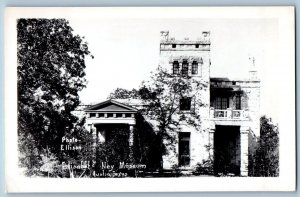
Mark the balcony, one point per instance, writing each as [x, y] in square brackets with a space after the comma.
[228, 114]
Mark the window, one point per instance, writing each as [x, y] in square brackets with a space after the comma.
[185, 103]
[184, 148]
[197, 45]
[119, 115]
[238, 102]
[173, 46]
[185, 67]
[175, 67]
[221, 103]
[195, 68]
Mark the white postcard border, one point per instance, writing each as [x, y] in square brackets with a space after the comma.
[286, 180]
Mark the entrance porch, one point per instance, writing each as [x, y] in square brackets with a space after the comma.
[229, 149]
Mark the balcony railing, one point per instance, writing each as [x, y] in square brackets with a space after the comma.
[228, 114]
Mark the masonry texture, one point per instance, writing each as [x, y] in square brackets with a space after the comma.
[228, 112]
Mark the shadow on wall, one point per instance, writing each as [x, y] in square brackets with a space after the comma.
[147, 147]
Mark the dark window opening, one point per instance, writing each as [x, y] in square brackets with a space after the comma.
[184, 148]
[221, 103]
[173, 46]
[110, 115]
[197, 45]
[118, 115]
[195, 68]
[127, 115]
[92, 115]
[233, 83]
[185, 67]
[175, 67]
[185, 103]
[101, 115]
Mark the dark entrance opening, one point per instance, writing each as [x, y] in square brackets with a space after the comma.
[184, 148]
[112, 131]
[227, 150]
[115, 149]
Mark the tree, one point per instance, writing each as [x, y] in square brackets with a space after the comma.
[265, 161]
[121, 93]
[162, 96]
[165, 94]
[50, 71]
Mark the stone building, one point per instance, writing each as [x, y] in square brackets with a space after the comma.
[229, 112]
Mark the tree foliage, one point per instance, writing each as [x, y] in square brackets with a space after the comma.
[50, 71]
[121, 93]
[265, 161]
[86, 155]
[161, 95]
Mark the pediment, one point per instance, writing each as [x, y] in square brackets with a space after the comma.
[111, 106]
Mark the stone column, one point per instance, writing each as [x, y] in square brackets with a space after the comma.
[94, 133]
[244, 150]
[229, 113]
[211, 143]
[212, 112]
[130, 141]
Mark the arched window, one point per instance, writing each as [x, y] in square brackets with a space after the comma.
[176, 67]
[194, 68]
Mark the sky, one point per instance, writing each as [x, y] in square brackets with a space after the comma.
[127, 50]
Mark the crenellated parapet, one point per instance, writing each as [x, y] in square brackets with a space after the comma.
[171, 44]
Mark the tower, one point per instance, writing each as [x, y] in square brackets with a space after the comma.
[189, 57]
[192, 56]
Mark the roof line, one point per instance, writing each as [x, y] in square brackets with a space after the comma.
[111, 101]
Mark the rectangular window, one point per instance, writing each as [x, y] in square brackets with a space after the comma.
[110, 115]
[119, 115]
[195, 68]
[185, 67]
[185, 103]
[197, 45]
[176, 67]
[173, 46]
[221, 103]
[184, 148]
[238, 102]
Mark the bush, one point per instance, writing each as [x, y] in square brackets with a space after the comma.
[204, 168]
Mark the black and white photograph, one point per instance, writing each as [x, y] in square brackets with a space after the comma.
[202, 97]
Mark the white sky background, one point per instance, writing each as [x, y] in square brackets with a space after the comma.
[127, 50]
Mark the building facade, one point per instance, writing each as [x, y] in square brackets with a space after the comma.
[229, 112]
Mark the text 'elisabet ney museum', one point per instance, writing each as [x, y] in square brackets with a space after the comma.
[227, 111]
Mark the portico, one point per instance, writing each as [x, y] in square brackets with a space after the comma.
[102, 118]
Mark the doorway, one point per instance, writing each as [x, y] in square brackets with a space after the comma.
[227, 150]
